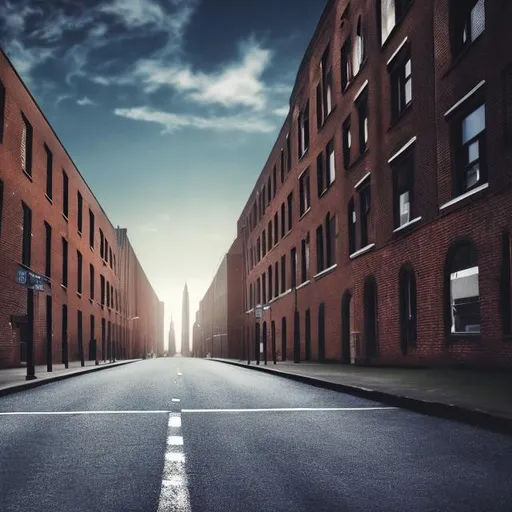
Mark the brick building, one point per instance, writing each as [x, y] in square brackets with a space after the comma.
[379, 230]
[52, 224]
[218, 329]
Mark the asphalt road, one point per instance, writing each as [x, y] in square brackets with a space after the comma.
[184, 434]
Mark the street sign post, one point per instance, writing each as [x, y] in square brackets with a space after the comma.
[258, 311]
[32, 282]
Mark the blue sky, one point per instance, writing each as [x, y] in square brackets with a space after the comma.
[169, 109]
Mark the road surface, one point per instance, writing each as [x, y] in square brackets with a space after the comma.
[180, 434]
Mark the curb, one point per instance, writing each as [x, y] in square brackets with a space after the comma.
[474, 417]
[36, 383]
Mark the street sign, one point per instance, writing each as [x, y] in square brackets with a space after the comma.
[29, 279]
[258, 311]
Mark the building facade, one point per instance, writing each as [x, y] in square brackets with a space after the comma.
[97, 299]
[171, 351]
[379, 230]
[185, 323]
[219, 325]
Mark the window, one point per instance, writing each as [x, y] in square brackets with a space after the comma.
[391, 12]
[269, 191]
[283, 220]
[359, 48]
[400, 74]
[65, 194]
[463, 289]
[319, 249]
[320, 179]
[365, 203]
[290, 210]
[49, 172]
[102, 244]
[251, 296]
[305, 259]
[282, 166]
[324, 89]
[79, 272]
[362, 111]
[330, 240]
[346, 64]
[108, 295]
[258, 291]
[26, 247]
[283, 273]
[64, 262]
[506, 80]
[467, 22]
[277, 278]
[105, 255]
[270, 283]
[470, 151]
[258, 249]
[274, 182]
[1, 203]
[293, 265]
[303, 127]
[264, 287]
[351, 227]
[26, 146]
[263, 243]
[305, 197]
[2, 111]
[48, 251]
[91, 229]
[347, 143]
[289, 148]
[407, 294]
[506, 283]
[276, 229]
[91, 281]
[269, 235]
[102, 290]
[330, 163]
[80, 202]
[403, 190]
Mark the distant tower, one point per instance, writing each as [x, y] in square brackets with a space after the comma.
[185, 324]
[172, 340]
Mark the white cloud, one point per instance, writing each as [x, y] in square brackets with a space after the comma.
[239, 83]
[85, 101]
[135, 13]
[172, 122]
[25, 59]
[281, 111]
[61, 98]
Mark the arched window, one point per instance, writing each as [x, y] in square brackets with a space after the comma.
[408, 309]
[359, 49]
[462, 290]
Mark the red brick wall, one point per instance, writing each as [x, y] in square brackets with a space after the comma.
[19, 187]
[438, 83]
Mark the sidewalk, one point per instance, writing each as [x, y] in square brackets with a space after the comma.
[475, 397]
[13, 379]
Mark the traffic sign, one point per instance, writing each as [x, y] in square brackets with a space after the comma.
[258, 311]
[29, 279]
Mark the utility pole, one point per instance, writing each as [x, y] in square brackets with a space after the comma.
[31, 371]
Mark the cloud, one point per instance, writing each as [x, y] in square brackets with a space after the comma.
[238, 83]
[85, 101]
[148, 229]
[26, 59]
[281, 111]
[61, 98]
[172, 122]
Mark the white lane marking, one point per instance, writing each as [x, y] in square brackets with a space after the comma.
[68, 413]
[175, 421]
[174, 495]
[293, 409]
[175, 400]
[179, 373]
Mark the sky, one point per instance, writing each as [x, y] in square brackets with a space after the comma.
[169, 109]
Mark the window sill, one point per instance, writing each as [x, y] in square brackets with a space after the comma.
[79, 295]
[325, 272]
[301, 157]
[79, 234]
[305, 212]
[326, 189]
[456, 60]
[397, 118]
[64, 287]
[345, 89]
[406, 225]
[326, 120]
[250, 311]
[362, 180]
[302, 285]
[91, 248]
[91, 301]
[362, 251]
[48, 198]
[284, 294]
[65, 217]
[29, 176]
[460, 198]
[464, 336]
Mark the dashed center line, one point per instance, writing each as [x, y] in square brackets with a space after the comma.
[175, 400]
[174, 495]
